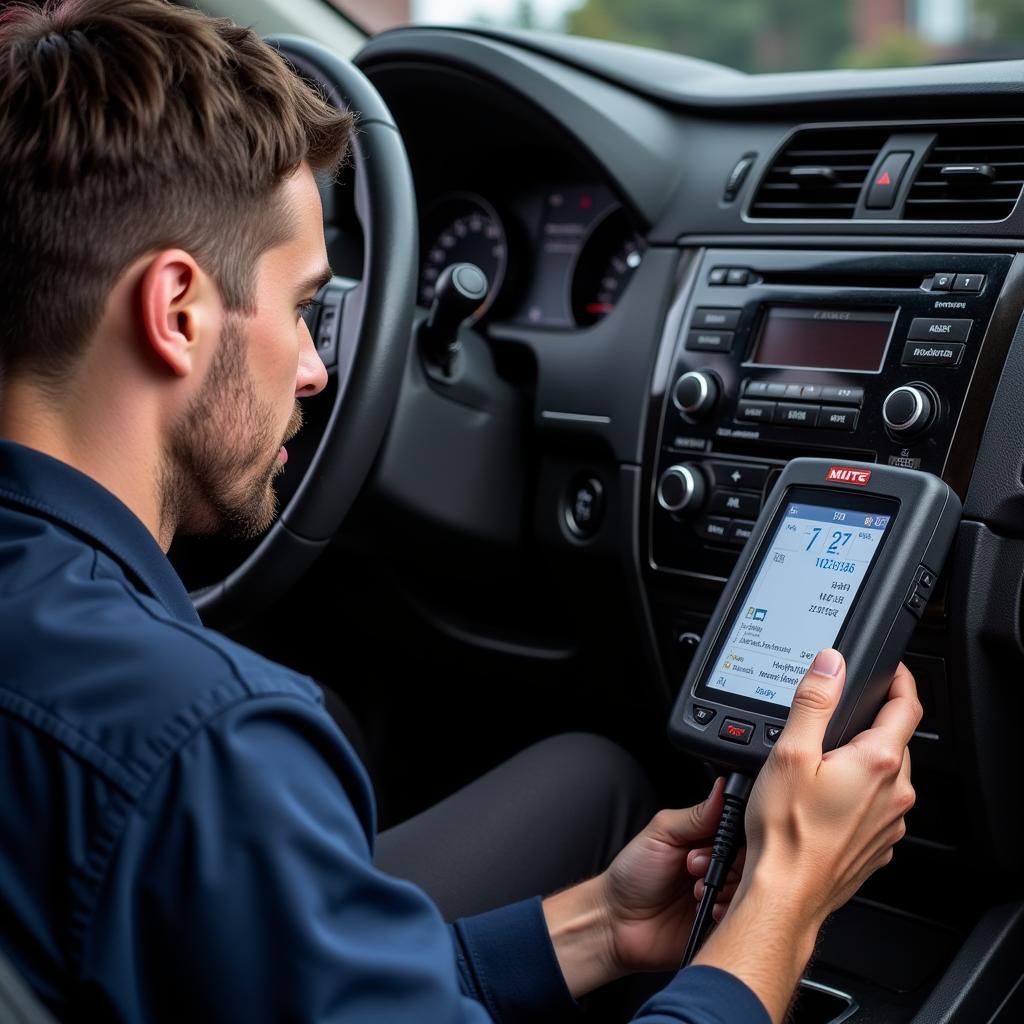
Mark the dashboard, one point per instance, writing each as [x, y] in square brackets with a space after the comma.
[695, 276]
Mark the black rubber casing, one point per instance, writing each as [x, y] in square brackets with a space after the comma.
[877, 627]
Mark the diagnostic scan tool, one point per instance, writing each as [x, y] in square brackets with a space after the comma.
[844, 555]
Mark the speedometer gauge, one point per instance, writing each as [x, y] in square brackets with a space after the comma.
[463, 227]
[606, 264]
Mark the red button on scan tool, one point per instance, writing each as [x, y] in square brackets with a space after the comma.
[736, 732]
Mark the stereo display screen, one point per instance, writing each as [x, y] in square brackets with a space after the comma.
[824, 339]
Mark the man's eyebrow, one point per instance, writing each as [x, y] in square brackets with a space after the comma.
[315, 282]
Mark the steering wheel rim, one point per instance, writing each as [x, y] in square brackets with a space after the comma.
[373, 341]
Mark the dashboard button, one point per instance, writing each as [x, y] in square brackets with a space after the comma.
[717, 275]
[923, 353]
[755, 387]
[709, 341]
[739, 532]
[747, 506]
[737, 275]
[713, 528]
[749, 411]
[793, 415]
[719, 319]
[924, 328]
[739, 476]
[736, 731]
[943, 282]
[584, 507]
[886, 183]
[776, 390]
[969, 282]
[836, 417]
[843, 395]
[772, 732]
[703, 715]
[808, 392]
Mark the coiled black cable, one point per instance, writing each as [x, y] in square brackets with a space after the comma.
[727, 841]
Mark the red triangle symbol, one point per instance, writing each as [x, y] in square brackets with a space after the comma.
[884, 179]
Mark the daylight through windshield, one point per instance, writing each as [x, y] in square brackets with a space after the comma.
[751, 35]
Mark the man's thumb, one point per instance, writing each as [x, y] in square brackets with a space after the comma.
[815, 699]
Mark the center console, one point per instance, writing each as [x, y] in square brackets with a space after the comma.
[881, 356]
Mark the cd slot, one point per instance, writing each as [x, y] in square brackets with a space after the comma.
[881, 280]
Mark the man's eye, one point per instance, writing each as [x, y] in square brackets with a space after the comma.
[308, 307]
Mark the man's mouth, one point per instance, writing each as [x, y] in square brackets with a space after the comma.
[294, 426]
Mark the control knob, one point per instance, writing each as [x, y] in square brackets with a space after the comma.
[909, 410]
[681, 488]
[696, 393]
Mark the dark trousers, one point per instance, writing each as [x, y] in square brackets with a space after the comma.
[555, 814]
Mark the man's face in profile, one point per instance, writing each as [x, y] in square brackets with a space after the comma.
[227, 448]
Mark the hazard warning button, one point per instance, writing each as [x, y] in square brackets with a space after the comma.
[885, 183]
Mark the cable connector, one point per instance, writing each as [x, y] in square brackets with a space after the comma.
[728, 840]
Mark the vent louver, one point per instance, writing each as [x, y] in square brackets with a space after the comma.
[819, 175]
[972, 173]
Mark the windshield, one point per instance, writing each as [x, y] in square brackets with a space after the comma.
[751, 35]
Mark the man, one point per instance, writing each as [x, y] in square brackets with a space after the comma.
[184, 833]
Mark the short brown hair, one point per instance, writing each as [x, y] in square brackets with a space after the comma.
[130, 126]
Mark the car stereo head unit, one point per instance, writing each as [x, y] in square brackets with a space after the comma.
[862, 357]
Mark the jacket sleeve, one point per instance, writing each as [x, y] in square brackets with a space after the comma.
[242, 888]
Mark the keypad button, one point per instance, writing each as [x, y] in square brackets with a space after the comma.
[703, 715]
[792, 415]
[739, 476]
[926, 328]
[837, 417]
[750, 411]
[717, 319]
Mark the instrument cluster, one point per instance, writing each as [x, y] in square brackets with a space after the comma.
[555, 257]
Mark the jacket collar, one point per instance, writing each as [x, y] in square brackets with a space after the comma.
[43, 486]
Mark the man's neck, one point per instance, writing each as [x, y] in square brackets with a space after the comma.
[102, 441]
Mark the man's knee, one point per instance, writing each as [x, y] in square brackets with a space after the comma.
[596, 772]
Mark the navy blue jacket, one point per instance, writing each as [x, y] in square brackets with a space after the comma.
[185, 835]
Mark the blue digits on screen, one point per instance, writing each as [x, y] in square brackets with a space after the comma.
[838, 540]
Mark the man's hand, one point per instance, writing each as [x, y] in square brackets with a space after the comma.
[653, 886]
[832, 819]
[636, 915]
[817, 826]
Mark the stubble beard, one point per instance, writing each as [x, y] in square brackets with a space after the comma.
[222, 456]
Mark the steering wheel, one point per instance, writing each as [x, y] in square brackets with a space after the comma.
[367, 346]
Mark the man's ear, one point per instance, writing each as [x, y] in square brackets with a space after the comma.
[177, 312]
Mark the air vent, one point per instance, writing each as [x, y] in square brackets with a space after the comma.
[819, 175]
[972, 173]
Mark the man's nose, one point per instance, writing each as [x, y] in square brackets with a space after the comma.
[311, 378]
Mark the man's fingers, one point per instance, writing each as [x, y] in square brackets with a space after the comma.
[690, 824]
[813, 703]
[899, 717]
[698, 860]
